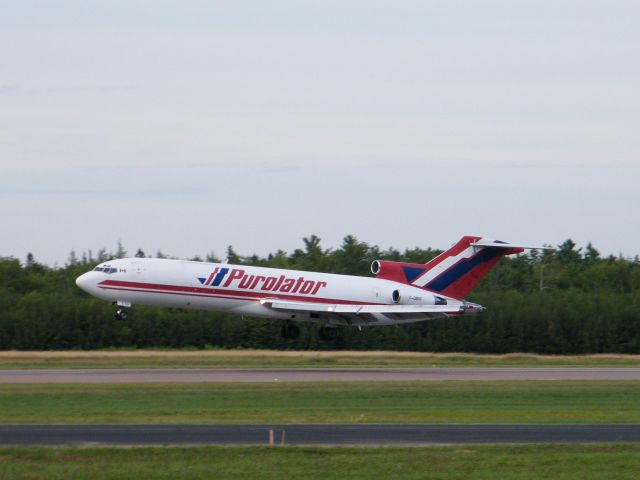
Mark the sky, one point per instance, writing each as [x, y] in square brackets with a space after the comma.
[193, 125]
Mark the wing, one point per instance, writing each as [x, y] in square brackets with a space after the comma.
[364, 314]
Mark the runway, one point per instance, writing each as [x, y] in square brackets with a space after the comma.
[312, 434]
[311, 375]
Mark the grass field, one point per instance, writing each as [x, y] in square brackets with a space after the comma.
[332, 402]
[265, 358]
[557, 462]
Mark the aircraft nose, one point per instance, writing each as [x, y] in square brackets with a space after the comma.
[84, 281]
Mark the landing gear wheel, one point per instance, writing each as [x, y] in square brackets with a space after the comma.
[121, 314]
[290, 331]
[328, 333]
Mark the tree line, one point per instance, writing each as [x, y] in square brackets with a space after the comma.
[568, 301]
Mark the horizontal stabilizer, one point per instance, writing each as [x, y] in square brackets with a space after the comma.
[494, 244]
[455, 272]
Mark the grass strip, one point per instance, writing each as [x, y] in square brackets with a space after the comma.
[548, 402]
[559, 462]
[267, 358]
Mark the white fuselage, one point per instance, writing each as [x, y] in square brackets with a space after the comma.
[240, 289]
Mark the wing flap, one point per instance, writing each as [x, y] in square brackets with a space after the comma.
[362, 309]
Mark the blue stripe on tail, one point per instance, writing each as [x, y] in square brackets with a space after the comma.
[462, 268]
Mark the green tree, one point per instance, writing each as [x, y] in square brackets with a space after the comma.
[121, 252]
[589, 305]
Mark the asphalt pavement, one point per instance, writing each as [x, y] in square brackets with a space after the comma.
[107, 375]
[312, 434]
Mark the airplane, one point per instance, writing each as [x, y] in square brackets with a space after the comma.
[399, 293]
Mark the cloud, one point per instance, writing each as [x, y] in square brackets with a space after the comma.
[8, 88]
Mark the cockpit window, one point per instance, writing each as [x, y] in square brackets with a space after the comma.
[105, 269]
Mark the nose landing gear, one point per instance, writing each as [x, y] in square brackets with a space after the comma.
[121, 313]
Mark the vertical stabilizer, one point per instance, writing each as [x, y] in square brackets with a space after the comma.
[457, 271]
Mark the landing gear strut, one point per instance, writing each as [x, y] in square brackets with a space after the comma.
[290, 331]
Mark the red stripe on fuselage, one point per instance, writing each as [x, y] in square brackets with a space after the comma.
[217, 292]
[138, 290]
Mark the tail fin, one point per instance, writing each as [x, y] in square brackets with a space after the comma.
[453, 273]
[457, 271]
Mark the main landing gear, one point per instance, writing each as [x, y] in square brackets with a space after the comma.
[328, 333]
[290, 331]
